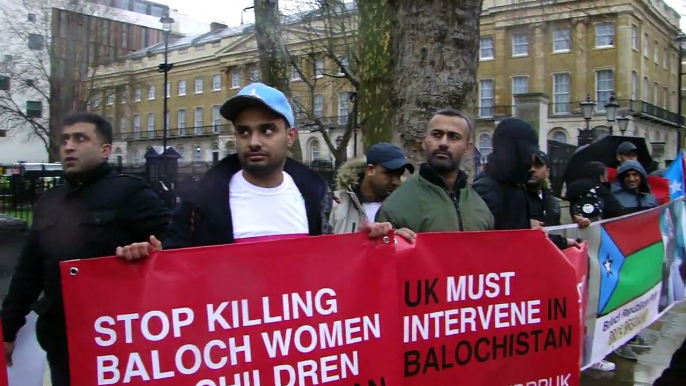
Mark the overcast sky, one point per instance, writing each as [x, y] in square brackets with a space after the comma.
[229, 11]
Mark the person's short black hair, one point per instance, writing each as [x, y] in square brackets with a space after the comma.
[450, 112]
[102, 126]
[594, 170]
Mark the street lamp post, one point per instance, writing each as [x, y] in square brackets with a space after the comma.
[623, 123]
[611, 111]
[164, 68]
[353, 99]
[587, 108]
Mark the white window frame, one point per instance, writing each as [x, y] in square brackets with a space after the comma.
[634, 37]
[151, 123]
[235, 79]
[345, 61]
[646, 89]
[512, 83]
[318, 68]
[110, 97]
[136, 126]
[255, 74]
[523, 42]
[566, 39]
[491, 111]
[151, 92]
[634, 84]
[562, 107]
[343, 111]
[198, 128]
[656, 94]
[606, 34]
[488, 47]
[318, 108]
[199, 85]
[646, 45]
[665, 59]
[600, 102]
[295, 75]
[169, 89]
[656, 52]
[182, 87]
[216, 118]
[216, 82]
[181, 123]
[137, 94]
[665, 97]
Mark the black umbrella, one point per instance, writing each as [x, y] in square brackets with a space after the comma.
[605, 151]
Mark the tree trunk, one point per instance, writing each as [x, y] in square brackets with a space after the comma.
[375, 69]
[274, 63]
[435, 63]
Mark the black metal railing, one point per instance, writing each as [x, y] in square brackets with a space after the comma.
[654, 111]
[142, 134]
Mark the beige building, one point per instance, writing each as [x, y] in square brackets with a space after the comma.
[557, 54]
[570, 49]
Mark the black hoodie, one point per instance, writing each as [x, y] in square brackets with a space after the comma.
[501, 184]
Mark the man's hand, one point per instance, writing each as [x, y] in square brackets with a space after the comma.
[377, 229]
[582, 221]
[137, 251]
[9, 350]
[536, 224]
[573, 243]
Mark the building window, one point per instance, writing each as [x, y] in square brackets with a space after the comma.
[343, 113]
[197, 153]
[665, 98]
[646, 45]
[645, 89]
[486, 50]
[634, 85]
[3, 133]
[137, 94]
[656, 53]
[486, 97]
[485, 145]
[34, 109]
[235, 79]
[216, 118]
[520, 45]
[35, 42]
[318, 105]
[520, 85]
[675, 64]
[255, 75]
[314, 150]
[562, 93]
[125, 95]
[295, 75]
[110, 97]
[634, 37]
[297, 108]
[31, 17]
[136, 156]
[198, 85]
[345, 63]
[216, 82]
[136, 126]
[198, 120]
[656, 94]
[665, 59]
[560, 136]
[604, 87]
[151, 92]
[562, 40]
[182, 87]
[319, 68]
[604, 34]
[151, 124]
[122, 125]
[181, 121]
[168, 89]
[5, 83]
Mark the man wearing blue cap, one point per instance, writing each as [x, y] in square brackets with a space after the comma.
[364, 183]
[258, 193]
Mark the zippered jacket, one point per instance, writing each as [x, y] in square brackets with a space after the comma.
[423, 204]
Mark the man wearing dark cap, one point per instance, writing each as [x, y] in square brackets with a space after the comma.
[258, 193]
[438, 198]
[544, 209]
[626, 151]
[364, 183]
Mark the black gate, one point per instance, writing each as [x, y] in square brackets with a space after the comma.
[560, 154]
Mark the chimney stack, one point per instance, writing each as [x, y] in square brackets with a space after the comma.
[214, 27]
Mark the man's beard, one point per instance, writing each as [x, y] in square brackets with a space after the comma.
[448, 165]
[260, 169]
[534, 184]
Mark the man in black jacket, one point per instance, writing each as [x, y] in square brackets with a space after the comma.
[591, 197]
[544, 209]
[259, 193]
[509, 168]
[88, 217]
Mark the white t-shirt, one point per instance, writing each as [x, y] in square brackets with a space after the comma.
[260, 212]
[370, 208]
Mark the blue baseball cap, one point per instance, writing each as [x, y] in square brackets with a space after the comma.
[258, 95]
[389, 156]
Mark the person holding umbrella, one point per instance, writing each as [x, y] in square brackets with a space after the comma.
[626, 151]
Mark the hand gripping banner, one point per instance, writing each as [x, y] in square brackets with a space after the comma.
[493, 308]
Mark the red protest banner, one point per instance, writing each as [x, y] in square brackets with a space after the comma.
[3, 365]
[658, 186]
[578, 257]
[284, 313]
[489, 309]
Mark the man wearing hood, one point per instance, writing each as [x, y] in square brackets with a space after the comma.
[438, 198]
[631, 188]
[502, 184]
[364, 183]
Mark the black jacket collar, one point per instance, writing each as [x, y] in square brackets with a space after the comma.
[77, 181]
